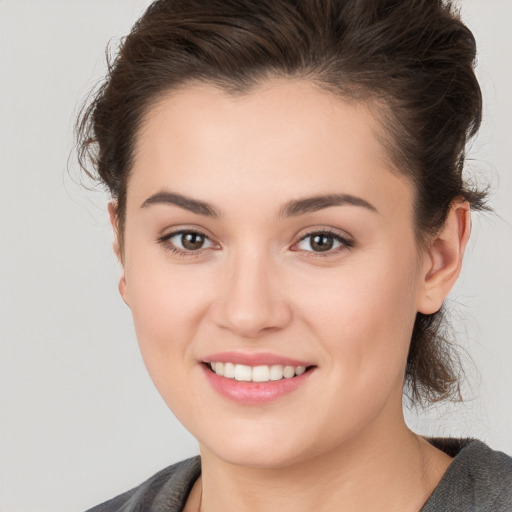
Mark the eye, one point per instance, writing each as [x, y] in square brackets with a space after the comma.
[186, 241]
[322, 242]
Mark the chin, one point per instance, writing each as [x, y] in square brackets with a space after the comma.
[259, 457]
[257, 451]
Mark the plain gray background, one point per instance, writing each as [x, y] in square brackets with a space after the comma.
[80, 420]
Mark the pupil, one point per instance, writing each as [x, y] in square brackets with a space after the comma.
[192, 241]
[322, 242]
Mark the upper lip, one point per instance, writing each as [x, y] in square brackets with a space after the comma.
[254, 359]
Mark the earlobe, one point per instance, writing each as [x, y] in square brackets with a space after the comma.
[123, 289]
[443, 259]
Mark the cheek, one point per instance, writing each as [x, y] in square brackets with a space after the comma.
[167, 303]
[167, 308]
[364, 315]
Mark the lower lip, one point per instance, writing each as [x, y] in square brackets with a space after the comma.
[254, 392]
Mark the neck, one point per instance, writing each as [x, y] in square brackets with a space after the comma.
[373, 472]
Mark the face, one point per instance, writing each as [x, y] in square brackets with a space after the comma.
[268, 236]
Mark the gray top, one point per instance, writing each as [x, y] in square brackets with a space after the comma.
[478, 480]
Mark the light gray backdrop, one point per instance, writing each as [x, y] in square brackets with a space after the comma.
[80, 420]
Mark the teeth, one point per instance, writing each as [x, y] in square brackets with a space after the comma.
[243, 373]
[260, 374]
[276, 372]
[288, 372]
[300, 370]
[263, 373]
[229, 370]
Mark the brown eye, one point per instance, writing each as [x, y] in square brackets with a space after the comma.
[192, 241]
[187, 241]
[323, 241]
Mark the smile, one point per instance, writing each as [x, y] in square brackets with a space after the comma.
[249, 381]
[260, 373]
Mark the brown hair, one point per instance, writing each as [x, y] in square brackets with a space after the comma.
[411, 59]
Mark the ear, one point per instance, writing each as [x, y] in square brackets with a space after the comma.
[112, 212]
[443, 258]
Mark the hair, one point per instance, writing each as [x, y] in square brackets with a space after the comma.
[413, 60]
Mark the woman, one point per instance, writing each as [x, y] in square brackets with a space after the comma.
[290, 214]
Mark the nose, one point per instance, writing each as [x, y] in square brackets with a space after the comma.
[252, 300]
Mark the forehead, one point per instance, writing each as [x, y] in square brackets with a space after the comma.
[285, 138]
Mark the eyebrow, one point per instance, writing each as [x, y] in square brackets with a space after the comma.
[298, 207]
[293, 208]
[193, 205]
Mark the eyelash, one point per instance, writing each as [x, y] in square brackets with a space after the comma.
[345, 243]
[164, 240]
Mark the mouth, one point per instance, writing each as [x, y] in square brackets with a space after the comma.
[256, 383]
[259, 373]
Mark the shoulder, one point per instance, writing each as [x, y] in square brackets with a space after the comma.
[166, 490]
[478, 478]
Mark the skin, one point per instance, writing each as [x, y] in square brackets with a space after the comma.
[339, 441]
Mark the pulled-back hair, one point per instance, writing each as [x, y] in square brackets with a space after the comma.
[411, 60]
